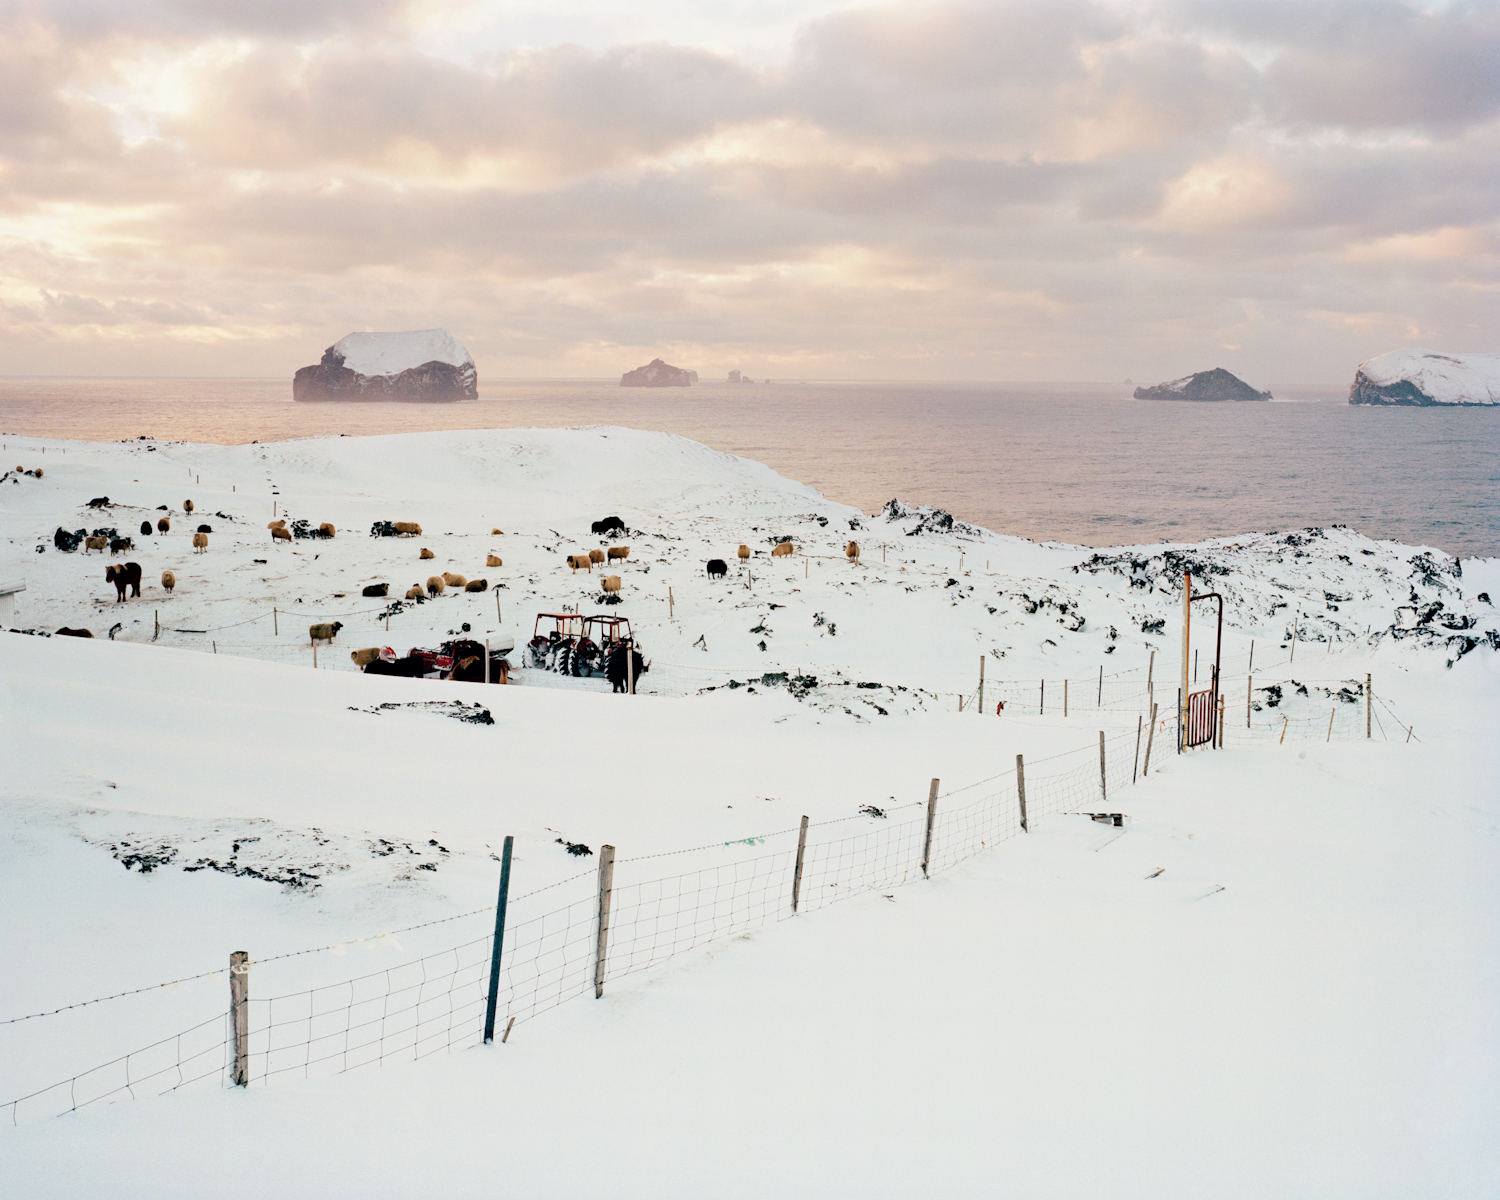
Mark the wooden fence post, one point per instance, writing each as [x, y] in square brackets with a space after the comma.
[1099, 703]
[931, 812]
[1065, 697]
[1150, 735]
[981, 685]
[671, 606]
[239, 1015]
[797, 874]
[486, 655]
[489, 1012]
[606, 888]
[1103, 784]
[1331, 712]
[1221, 721]
[1021, 791]
[1369, 699]
[1042, 710]
[1249, 699]
[275, 623]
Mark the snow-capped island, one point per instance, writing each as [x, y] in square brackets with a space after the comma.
[1424, 378]
[659, 374]
[419, 364]
[1216, 386]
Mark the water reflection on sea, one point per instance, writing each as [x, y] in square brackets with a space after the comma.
[1070, 462]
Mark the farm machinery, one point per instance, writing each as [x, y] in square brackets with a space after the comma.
[571, 644]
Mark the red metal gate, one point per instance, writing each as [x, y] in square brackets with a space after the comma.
[1200, 718]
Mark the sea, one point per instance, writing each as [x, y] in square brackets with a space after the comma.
[1082, 463]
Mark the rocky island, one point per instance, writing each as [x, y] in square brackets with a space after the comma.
[1216, 386]
[1424, 378]
[658, 374]
[420, 364]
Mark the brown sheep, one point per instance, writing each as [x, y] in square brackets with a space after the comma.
[326, 529]
[580, 562]
[37, 473]
[325, 632]
[363, 658]
[281, 534]
[168, 580]
[611, 583]
[435, 585]
[618, 553]
[66, 632]
[497, 533]
[415, 592]
[200, 543]
[279, 523]
[596, 556]
[426, 553]
[851, 551]
[477, 585]
[493, 561]
[454, 581]
[187, 506]
[783, 548]
[163, 525]
[95, 543]
[410, 528]
[744, 552]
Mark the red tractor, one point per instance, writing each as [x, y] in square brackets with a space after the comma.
[571, 644]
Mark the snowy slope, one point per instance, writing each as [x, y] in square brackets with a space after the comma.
[392, 353]
[1439, 378]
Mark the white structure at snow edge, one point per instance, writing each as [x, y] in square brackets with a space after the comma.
[1426, 377]
[392, 353]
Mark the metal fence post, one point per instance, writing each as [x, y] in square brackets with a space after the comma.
[797, 874]
[489, 1012]
[239, 1013]
[1150, 735]
[1136, 761]
[1103, 785]
[1369, 699]
[606, 887]
[931, 812]
[1021, 790]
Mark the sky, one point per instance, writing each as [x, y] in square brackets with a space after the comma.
[1070, 190]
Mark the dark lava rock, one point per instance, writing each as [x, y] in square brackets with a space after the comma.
[1213, 386]
[658, 374]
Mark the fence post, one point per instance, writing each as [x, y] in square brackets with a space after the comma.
[797, 874]
[239, 1014]
[1150, 681]
[1042, 711]
[1369, 699]
[981, 685]
[486, 657]
[275, 623]
[606, 888]
[1249, 697]
[1136, 761]
[671, 607]
[1150, 736]
[489, 1011]
[1221, 721]
[1065, 697]
[931, 812]
[1103, 785]
[1099, 703]
[1021, 791]
[1331, 713]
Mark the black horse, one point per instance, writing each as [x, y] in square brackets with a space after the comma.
[617, 667]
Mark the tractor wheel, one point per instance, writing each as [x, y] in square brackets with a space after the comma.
[563, 663]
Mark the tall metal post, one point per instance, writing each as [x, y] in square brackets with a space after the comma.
[239, 1014]
[1187, 621]
[797, 874]
[931, 812]
[1369, 700]
[489, 1011]
[606, 889]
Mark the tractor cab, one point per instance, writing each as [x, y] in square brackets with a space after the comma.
[608, 633]
[560, 642]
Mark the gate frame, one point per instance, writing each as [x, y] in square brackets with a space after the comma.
[1213, 688]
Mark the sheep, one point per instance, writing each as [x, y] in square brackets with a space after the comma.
[851, 551]
[435, 585]
[164, 525]
[200, 543]
[325, 632]
[782, 549]
[580, 562]
[744, 553]
[611, 583]
[717, 568]
[122, 577]
[168, 580]
[415, 592]
[37, 473]
[205, 529]
[66, 632]
[145, 528]
[99, 502]
[95, 543]
[608, 525]
[477, 585]
[493, 561]
[596, 556]
[326, 529]
[375, 589]
[410, 528]
[454, 581]
[426, 553]
[497, 533]
[120, 545]
[363, 658]
[279, 523]
[281, 534]
[619, 553]
[187, 506]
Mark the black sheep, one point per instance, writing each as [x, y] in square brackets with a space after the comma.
[405, 668]
[617, 670]
[376, 589]
[608, 525]
[717, 568]
[205, 529]
[145, 528]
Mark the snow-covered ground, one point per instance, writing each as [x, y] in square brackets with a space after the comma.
[1276, 978]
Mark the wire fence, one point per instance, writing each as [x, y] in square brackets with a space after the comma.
[436, 1003]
